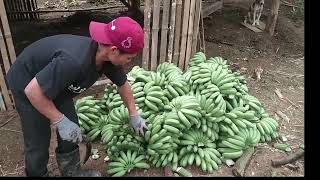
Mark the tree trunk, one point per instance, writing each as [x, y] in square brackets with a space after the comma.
[272, 19]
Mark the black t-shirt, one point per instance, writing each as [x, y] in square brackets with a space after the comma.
[64, 66]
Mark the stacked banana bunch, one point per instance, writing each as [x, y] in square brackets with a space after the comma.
[232, 147]
[162, 143]
[198, 148]
[125, 162]
[91, 116]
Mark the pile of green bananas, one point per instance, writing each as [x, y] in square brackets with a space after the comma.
[203, 116]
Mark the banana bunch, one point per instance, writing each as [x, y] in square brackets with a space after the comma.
[154, 97]
[165, 159]
[187, 75]
[168, 68]
[211, 129]
[253, 102]
[185, 110]
[135, 71]
[160, 141]
[176, 86]
[107, 133]
[88, 112]
[119, 116]
[241, 83]
[212, 108]
[219, 60]
[268, 129]
[158, 78]
[237, 119]
[197, 58]
[127, 141]
[213, 79]
[232, 147]
[198, 148]
[138, 93]
[97, 128]
[110, 91]
[126, 162]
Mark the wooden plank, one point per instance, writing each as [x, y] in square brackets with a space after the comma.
[2, 105]
[25, 6]
[65, 10]
[155, 33]
[5, 59]
[184, 34]
[5, 91]
[147, 23]
[20, 7]
[202, 31]
[177, 35]
[253, 28]
[16, 8]
[164, 31]
[29, 5]
[190, 34]
[36, 8]
[7, 33]
[171, 29]
[212, 8]
[196, 28]
[8, 7]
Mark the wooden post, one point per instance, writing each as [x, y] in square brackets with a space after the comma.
[20, 7]
[31, 9]
[184, 34]
[171, 29]
[25, 5]
[155, 33]
[5, 60]
[202, 31]
[8, 6]
[35, 5]
[15, 8]
[177, 35]
[147, 21]
[164, 31]
[7, 33]
[196, 28]
[272, 19]
[190, 34]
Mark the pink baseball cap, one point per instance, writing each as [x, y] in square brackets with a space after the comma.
[123, 32]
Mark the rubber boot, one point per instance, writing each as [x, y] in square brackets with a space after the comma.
[69, 165]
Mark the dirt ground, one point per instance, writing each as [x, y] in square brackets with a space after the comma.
[281, 57]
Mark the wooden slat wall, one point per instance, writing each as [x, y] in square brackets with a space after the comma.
[8, 56]
[21, 5]
[175, 40]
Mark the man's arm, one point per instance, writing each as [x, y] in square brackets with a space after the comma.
[41, 102]
[67, 129]
[127, 97]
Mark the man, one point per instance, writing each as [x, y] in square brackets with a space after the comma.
[53, 70]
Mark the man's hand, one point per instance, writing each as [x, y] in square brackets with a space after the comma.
[137, 123]
[68, 130]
